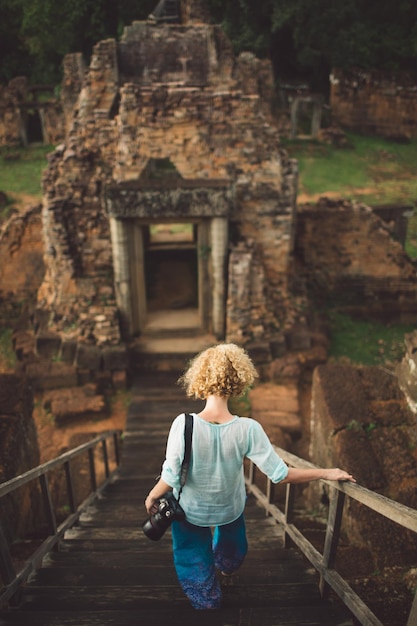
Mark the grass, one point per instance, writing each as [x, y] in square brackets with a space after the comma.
[365, 342]
[21, 170]
[7, 354]
[371, 169]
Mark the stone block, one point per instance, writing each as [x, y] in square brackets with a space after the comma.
[16, 397]
[88, 357]
[278, 347]
[50, 375]
[75, 403]
[259, 352]
[119, 379]
[298, 339]
[114, 358]
[68, 351]
[84, 376]
[41, 319]
[103, 380]
[24, 344]
[48, 344]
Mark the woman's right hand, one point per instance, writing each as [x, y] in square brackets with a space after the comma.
[151, 504]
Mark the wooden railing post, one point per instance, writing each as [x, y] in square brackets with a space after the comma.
[270, 490]
[251, 475]
[93, 477]
[47, 501]
[334, 522]
[412, 618]
[289, 512]
[70, 487]
[7, 570]
[105, 458]
[116, 448]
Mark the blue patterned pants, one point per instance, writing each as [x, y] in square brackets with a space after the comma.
[198, 552]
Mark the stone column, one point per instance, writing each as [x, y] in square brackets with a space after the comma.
[119, 233]
[219, 245]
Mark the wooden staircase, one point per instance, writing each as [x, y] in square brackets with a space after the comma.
[107, 572]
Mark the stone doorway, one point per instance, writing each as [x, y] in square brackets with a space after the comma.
[171, 277]
[147, 225]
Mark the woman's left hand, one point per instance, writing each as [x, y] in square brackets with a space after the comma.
[337, 474]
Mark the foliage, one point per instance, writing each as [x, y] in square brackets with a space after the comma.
[304, 38]
[46, 30]
[411, 242]
[366, 342]
[21, 170]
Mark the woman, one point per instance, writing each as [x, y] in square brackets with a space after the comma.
[214, 494]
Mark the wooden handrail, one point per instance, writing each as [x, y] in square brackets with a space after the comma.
[324, 563]
[12, 580]
[37, 471]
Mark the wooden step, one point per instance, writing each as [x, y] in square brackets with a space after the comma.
[111, 598]
[306, 615]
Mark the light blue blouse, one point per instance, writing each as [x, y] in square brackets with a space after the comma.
[214, 493]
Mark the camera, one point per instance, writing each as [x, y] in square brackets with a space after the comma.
[169, 510]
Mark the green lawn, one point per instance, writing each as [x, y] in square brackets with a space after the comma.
[21, 170]
[365, 342]
[371, 169]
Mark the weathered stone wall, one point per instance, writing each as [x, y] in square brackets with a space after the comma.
[406, 371]
[21, 264]
[73, 75]
[346, 252]
[18, 101]
[360, 421]
[164, 92]
[19, 452]
[10, 120]
[374, 102]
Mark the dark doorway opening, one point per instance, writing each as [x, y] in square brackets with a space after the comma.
[171, 279]
[34, 127]
[171, 276]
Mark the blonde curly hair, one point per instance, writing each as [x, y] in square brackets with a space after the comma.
[224, 370]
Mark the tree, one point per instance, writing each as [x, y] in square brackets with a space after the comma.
[52, 29]
[303, 38]
[14, 57]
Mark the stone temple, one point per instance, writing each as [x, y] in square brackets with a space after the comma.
[171, 210]
[171, 195]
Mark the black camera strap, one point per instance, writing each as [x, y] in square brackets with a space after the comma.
[188, 438]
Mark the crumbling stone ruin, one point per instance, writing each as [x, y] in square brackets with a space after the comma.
[19, 453]
[169, 128]
[361, 421]
[406, 371]
[347, 254]
[21, 265]
[172, 197]
[25, 118]
[374, 102]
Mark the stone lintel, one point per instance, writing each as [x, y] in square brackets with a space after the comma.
[123, 202]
